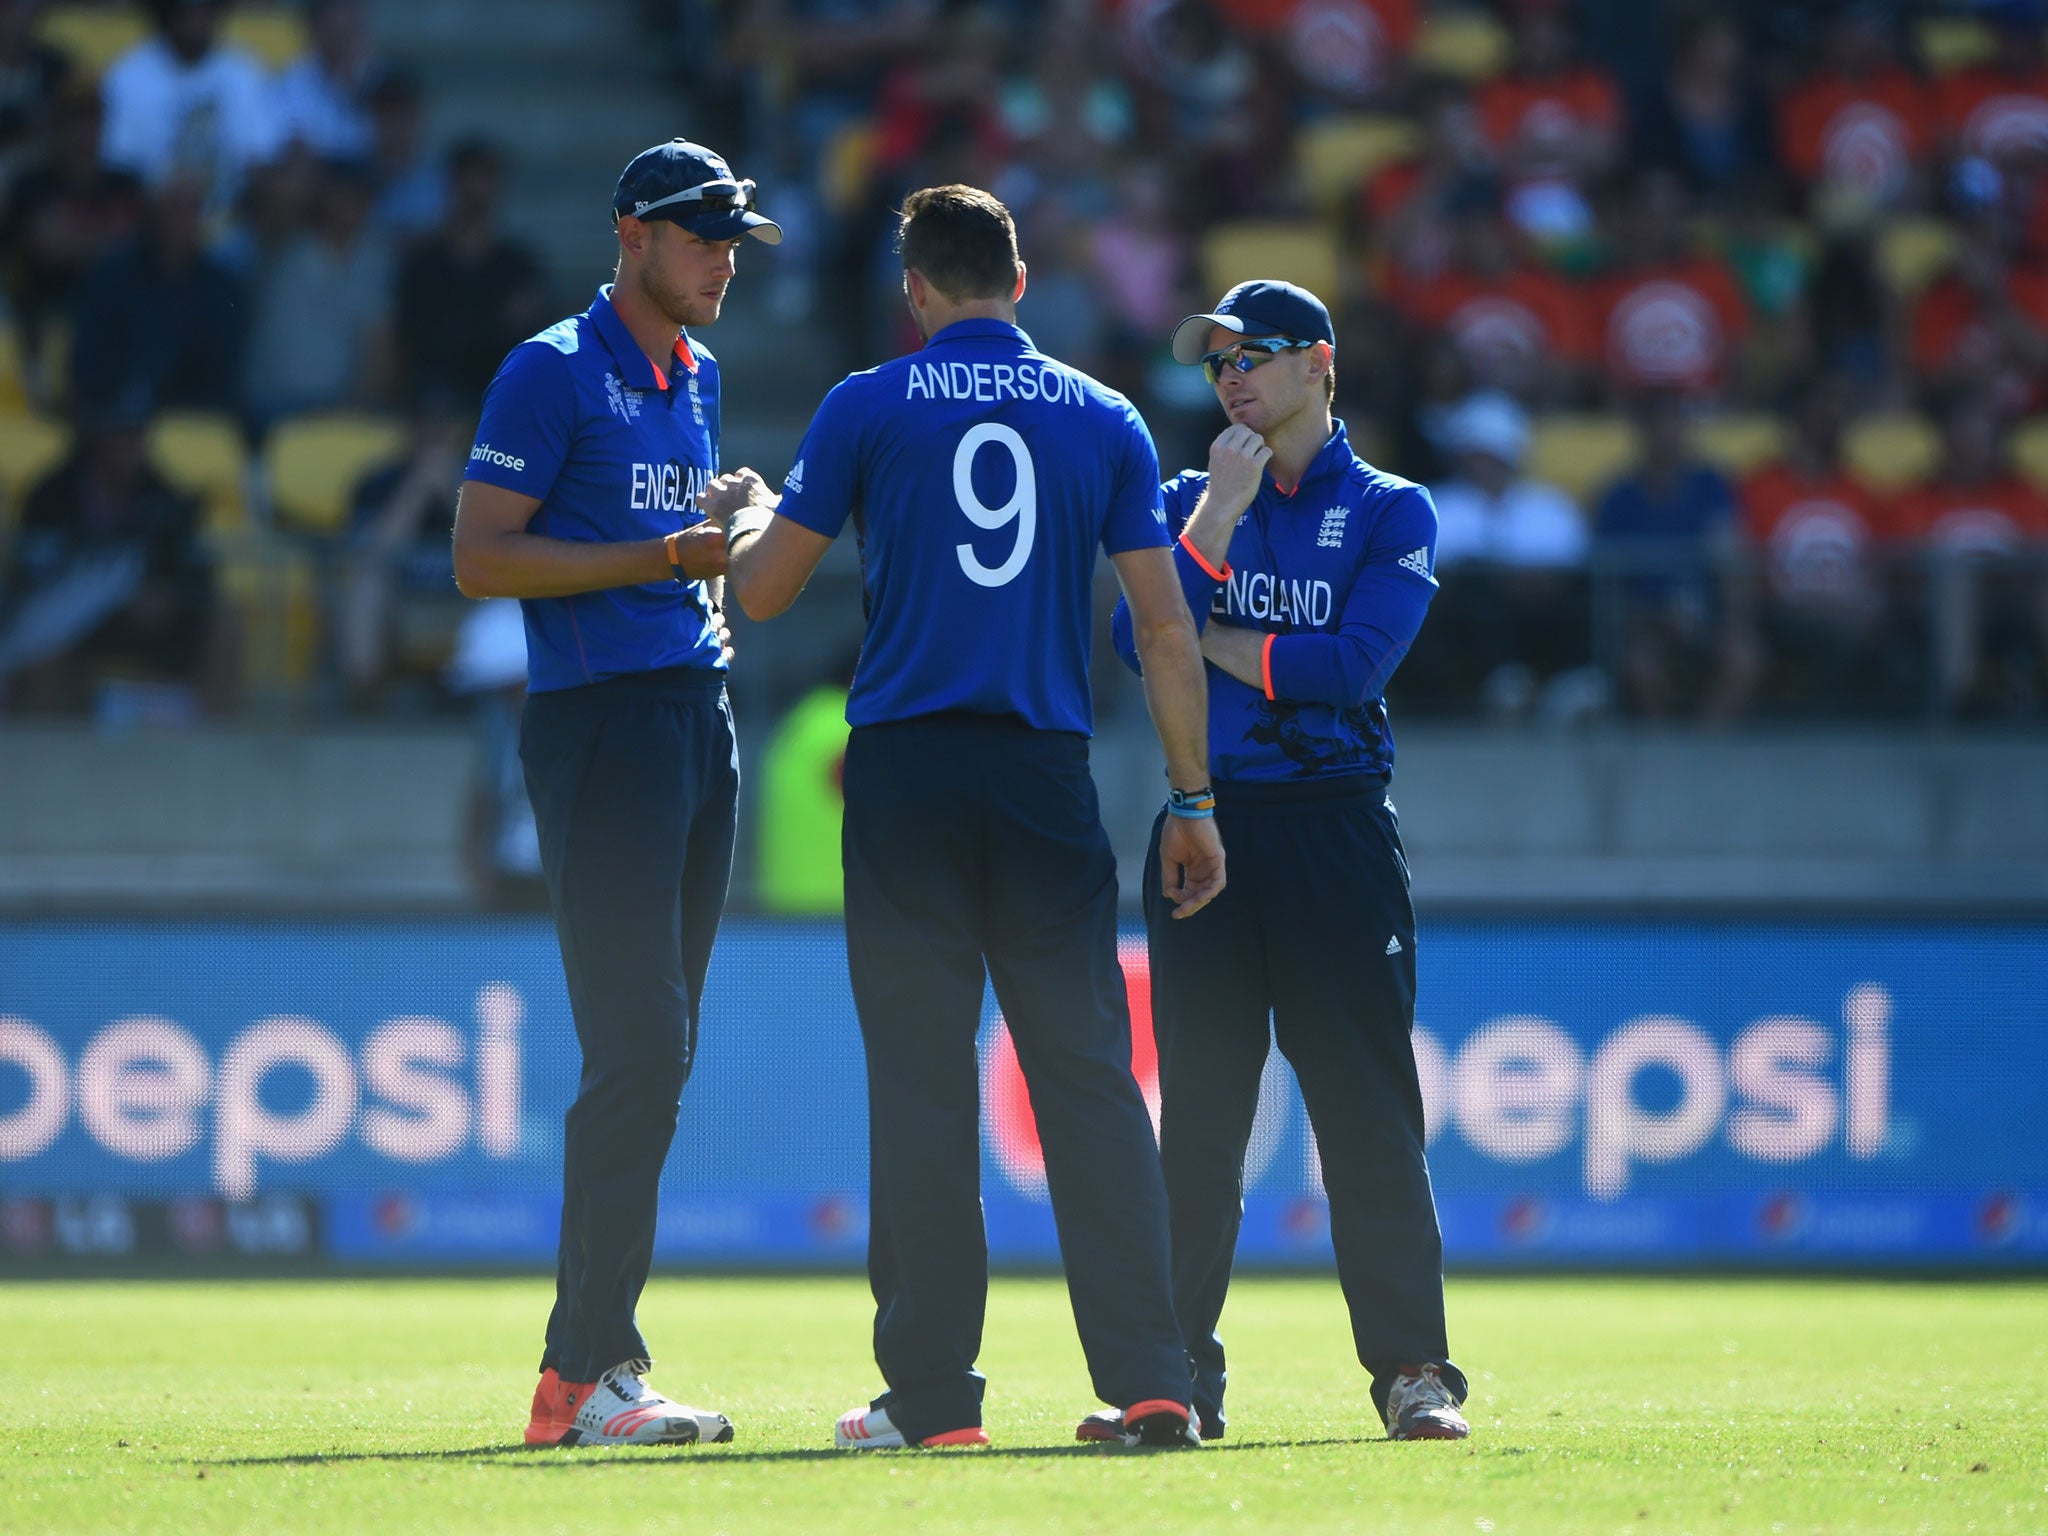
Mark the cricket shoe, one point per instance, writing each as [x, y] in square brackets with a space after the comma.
[1421, 1407]
[1157, 1423]
[621, 1409]
[551, 1418]
[869, 1429]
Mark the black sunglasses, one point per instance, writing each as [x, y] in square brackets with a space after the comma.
[1244, 356]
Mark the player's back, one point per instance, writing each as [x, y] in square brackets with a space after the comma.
[983, 476]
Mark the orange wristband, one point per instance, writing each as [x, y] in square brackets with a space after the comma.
[675, 561]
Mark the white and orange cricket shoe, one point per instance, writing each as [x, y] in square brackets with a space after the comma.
[869, 1429]
[619, 1408]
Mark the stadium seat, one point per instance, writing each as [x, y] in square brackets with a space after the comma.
[1737, 444]
[1468, 45]
[846, 166]
[1954, 42]
[1890, 450]
[1293, 252]
[1911, 253]
[2028, 450]
[276, 34]
[203, 455]
[30, 447]
[92, 36]
[1581, 455]
[272, 585]
[13, 372]
[314, 464]
[1338, 153]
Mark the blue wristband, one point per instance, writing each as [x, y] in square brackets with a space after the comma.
[1191, 804]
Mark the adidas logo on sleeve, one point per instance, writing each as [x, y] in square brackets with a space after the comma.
[1418, 562]
[794, 481]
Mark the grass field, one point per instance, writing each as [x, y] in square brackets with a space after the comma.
[1598, 1405]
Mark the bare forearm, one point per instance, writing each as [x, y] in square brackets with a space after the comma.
[1177, 694]
[530, 565]
[1209, 528]
[1238, 652]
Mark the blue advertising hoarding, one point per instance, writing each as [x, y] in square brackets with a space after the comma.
[1600, 1092]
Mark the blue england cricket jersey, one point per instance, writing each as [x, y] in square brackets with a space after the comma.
[982, 476]
[617, 450]
[1337, 574]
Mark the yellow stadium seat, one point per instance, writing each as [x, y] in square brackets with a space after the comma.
[13, 372]
[271, 583]
[2028, 449]
[847, 165]
[92, 36]
[1911, 253]
[1466, 44]
[1581, 454]
[1292, 252]
[276, 34]
[30, 447]
[1735, 445]
[203, 455]
[1339, 153]
[1954, 42]
[1891, 450]
[314, 464]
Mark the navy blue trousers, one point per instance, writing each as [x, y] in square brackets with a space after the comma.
[972, 842]
[635, 786]
[1315, 930]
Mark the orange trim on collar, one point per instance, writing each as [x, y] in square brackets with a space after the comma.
[1266, 664]
[683, 351]
[660, 378]
[1208, 570]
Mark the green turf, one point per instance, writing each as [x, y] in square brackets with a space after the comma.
[1640, 1406]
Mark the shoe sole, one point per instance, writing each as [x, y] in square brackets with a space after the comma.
[1161, 1426]
[1433, 1432]
[695, 1437]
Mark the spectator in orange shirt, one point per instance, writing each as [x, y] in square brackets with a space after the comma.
[1550, 116]
[1982, 327]
[1517, 327]
[1818, 537]
[1977, 588]
[1998, 110]
[1670, 316]
[1861, 126]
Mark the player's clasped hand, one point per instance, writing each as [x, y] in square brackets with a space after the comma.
[1237, 459]
[730, 492]
[702, 551]
[1190, 863]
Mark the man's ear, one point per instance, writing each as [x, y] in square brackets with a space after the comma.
[633, 235]
[1020, 283]
[1326, 356]
[916, 288]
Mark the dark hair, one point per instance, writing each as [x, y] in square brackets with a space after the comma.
[962, 239]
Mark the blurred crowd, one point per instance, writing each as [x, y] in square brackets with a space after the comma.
[213, 261]
[1719, 330]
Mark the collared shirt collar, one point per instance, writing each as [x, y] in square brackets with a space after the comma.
[1332, 456]
[964, 330]
[623, 347]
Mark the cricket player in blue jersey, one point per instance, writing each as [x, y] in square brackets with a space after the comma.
[982, 477]
[1309, 571]
[596, 439]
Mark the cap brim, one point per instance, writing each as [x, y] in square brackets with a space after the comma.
[725, 226]
[1191, 336]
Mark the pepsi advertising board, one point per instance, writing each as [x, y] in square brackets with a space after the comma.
[1600, 1093]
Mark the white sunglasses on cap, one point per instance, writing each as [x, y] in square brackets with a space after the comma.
[716, 197]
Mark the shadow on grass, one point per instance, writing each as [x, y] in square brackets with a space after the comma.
[552, 1458]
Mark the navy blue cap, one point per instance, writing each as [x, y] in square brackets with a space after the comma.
[1261, 308]
[690, 185]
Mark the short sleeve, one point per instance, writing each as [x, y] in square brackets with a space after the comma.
[1180, 495]
[1137, 515]
[824, 483]
[529, 417]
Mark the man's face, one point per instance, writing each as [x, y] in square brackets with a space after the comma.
[685, 275]
[1277, 389]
